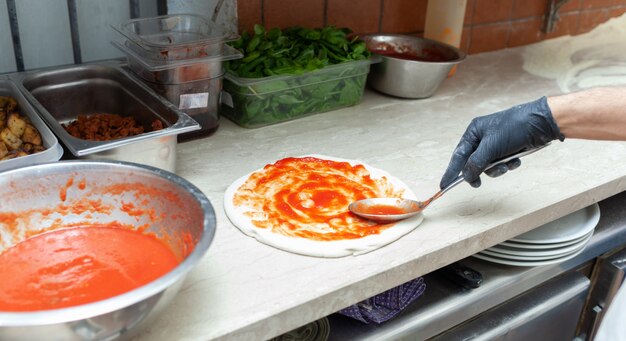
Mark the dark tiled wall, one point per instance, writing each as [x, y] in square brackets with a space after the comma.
[489, 24]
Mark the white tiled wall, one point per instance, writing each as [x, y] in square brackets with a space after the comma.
[45, 34]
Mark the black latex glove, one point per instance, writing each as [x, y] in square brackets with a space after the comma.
[496, 136]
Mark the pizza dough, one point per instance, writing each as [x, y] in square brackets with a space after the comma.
[300, 205]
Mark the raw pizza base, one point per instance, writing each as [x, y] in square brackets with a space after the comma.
[335, 248]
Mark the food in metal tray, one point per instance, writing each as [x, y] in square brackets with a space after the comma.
[18, 137]
[105, 126]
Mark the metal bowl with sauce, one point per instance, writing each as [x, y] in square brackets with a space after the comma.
[51, 196]
[411, 67]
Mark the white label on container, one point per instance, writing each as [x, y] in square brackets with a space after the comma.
[193, 101]
[227, 99]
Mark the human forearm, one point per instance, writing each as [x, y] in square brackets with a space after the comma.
[598, 114]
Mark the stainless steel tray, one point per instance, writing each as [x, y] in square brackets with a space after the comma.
[53, 151]
[61, 94]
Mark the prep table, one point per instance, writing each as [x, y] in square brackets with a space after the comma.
[245, 290]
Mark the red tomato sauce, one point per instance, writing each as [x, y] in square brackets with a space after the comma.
[425, 54]
[308, 197]
[73, 266]
[383, 209]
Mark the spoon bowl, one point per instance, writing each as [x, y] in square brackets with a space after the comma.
[386, 209]
[393, 209]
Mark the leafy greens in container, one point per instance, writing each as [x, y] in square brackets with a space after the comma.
[286, 74]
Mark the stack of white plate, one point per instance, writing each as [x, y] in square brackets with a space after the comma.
[554, 242]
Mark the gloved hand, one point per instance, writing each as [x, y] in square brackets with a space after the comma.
[496, 136]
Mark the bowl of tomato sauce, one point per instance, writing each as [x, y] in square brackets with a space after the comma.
[410, 67]
[94, 250]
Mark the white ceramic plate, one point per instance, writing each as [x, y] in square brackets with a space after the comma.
[555, 251]
[528, 246]
[499, 260]
[567, 228]
[535, 257]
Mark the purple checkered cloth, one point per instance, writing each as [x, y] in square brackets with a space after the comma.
[386, 305]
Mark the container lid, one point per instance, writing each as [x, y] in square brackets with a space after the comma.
[229, 53]
[173, 31]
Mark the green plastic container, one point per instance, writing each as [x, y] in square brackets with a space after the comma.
[258, 102]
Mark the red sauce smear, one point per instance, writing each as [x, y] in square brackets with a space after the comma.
[73, 266]
[82, 184]
[308, 197]
[382, 209]
[63, 190]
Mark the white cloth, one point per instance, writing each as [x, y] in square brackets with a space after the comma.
[613, 324]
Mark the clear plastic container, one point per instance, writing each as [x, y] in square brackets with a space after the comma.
[179, 71]
[257, 102]
[174, 37]
[199, 99]
[53, 151]
[192, 85]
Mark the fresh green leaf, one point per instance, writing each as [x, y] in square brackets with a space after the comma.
[294, 51]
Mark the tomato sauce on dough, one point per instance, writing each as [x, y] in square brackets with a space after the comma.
[308, 197]
[78, 265]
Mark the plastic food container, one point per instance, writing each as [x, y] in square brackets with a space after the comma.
[193, 85]
[257, 102]
[174, 37]
[179, 71]
[61, 95]
[53, 151]
[199, 99]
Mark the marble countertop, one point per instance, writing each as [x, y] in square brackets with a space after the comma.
[245, 290]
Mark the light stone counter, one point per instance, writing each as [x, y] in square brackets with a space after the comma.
[245, 290]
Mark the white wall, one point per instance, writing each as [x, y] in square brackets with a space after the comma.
[7, 60]
[45, 33]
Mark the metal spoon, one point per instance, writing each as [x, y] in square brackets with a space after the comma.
[392, 209]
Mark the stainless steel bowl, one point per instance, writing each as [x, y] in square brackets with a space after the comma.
[411, 67]
[170, 206]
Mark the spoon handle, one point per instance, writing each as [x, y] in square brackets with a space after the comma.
[460, 179]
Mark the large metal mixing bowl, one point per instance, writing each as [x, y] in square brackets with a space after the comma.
[411, 67]
[53, 195]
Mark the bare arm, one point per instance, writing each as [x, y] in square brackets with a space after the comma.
[598, 114]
